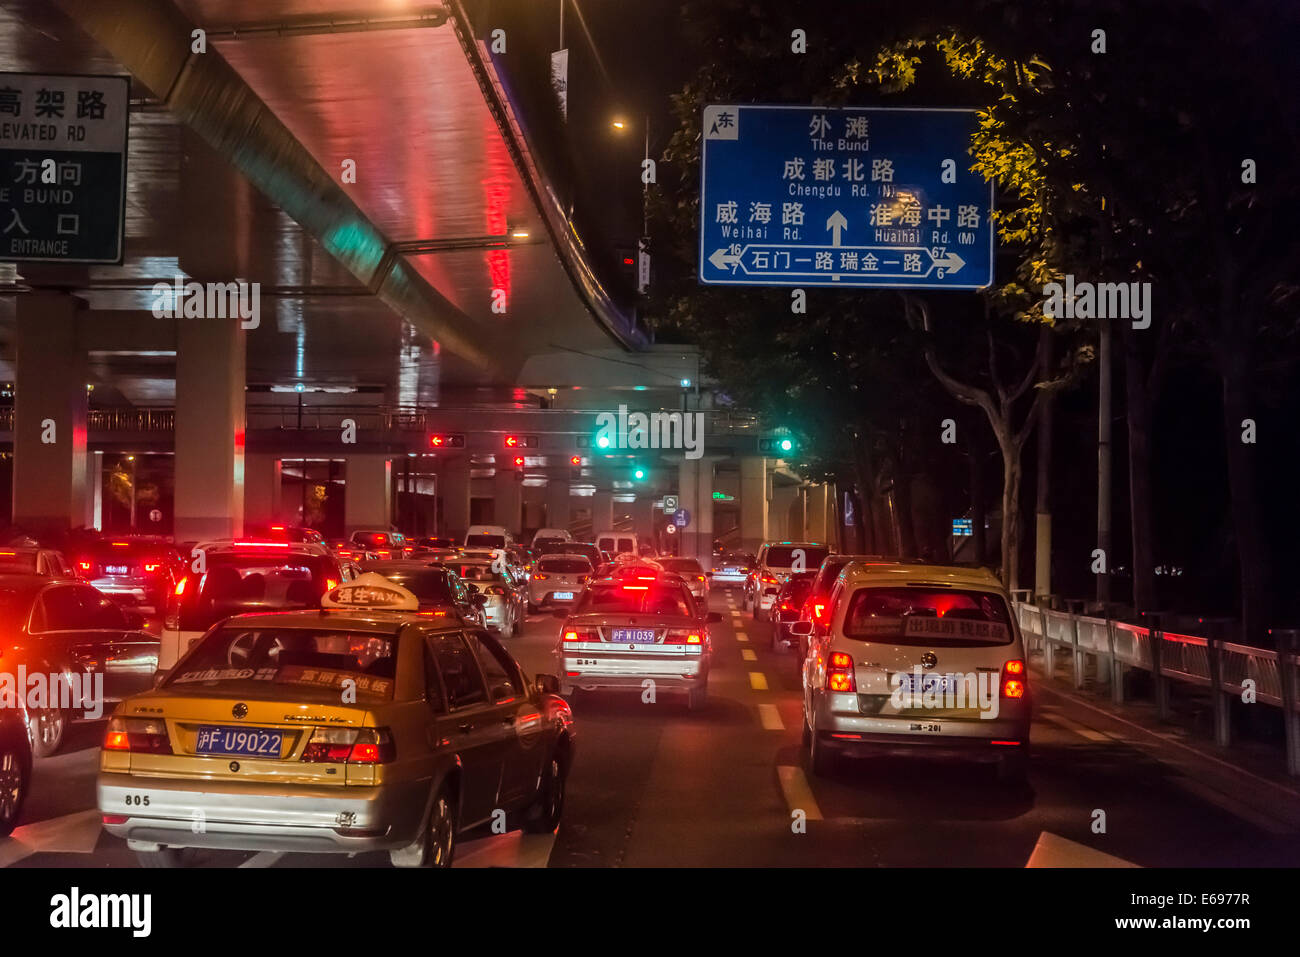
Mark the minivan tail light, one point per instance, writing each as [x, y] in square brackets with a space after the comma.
[1013, 679]
[839, 673]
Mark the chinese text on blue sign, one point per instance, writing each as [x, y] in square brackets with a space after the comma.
[800, 196]
[62, 167]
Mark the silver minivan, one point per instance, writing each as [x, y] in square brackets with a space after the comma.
[918, 659]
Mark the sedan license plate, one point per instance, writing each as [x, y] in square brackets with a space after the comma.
[930, 684]
[640, 636]
[115, 569]
[564, 596]
[249, 742]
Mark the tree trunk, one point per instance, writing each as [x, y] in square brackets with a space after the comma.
[903, 517]
[1138, 403]
[1011, 470]
[1252, 557]
[978, 516]
[1043, 491]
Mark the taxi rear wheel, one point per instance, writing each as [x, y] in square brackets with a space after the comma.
[436, 844]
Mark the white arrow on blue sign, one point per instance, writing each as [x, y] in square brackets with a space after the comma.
[853, 197]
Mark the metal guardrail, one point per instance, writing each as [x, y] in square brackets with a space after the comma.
[1111, 647]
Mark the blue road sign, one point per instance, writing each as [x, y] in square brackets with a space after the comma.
[963, 527]
[681, 518]
[854, 197]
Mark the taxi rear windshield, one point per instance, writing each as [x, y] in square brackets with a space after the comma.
[634, 600]
[682, 566]
[782, 556]
[293, 662]
[236, 584]
[936, 617]
[485, 541]
[477, 573]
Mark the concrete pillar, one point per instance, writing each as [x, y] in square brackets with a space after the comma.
[798, 520]
[642, 512]
[453, 488]
[262, 475]
[558, 513]
[779, 525]
[209, 429]
[602, 512]
[367, 499]
[507, 492]
[816, 518]
[94, 490]
[753, 503]
[49, 415]
[695, 494]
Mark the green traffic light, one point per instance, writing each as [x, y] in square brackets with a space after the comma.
[639, 474]
[786, 445]
[603, 442]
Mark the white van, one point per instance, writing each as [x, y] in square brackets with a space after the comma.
[486, 538]
[554, 534]
[617, 542]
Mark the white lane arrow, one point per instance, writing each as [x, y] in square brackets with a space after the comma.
[952, 262]
[835, 224]
[721, 260]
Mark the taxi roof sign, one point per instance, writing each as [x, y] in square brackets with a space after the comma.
[371, 591]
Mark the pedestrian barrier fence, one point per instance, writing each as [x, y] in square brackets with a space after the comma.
[1109, 648]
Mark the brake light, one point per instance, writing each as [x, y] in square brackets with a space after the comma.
[818, 611]
[331, 584]
[580, 635]
[137, 735]
[84, 566]
[121, 544]
[495, 590]
[152, 566]
[699, 578]
[769, 580]
[180, 586]
[839, 673]
[1013, 679]
[377, 539]
[350, 746]
[539, 576]
[432, 614]
[683, 636]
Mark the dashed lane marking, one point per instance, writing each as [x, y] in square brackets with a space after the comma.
[770, 717]
[741, 636]
[1062, 721]
[758, 681]
[798, 795]
[748, 654]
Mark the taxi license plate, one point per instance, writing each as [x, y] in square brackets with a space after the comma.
[930, 684]
[115, 569]
[563, 595]
[248, 742]
[641, 636]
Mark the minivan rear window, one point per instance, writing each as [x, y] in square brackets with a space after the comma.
[485, 541]
[936, 617]
[782, 556]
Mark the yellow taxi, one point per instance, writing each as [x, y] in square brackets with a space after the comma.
[362, 726]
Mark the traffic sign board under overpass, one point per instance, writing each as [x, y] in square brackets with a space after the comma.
[853, 197]
[62, 167]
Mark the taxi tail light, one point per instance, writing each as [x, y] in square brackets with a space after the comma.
[495, 590]
[540, 576]
[819, 610]
[839, 673]
[152, 567]
[350, 746]
[180, 586]
[84, 566]
[137, 736]
[580, 634]
[683, 636]
[1013, 679]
